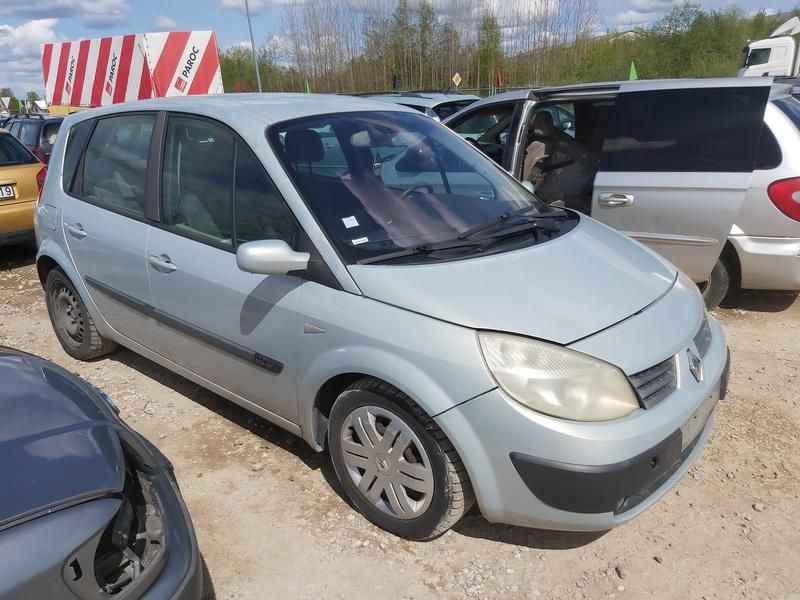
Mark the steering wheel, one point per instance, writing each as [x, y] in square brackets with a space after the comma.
[411, 190]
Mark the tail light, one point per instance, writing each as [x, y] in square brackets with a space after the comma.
[785, 195]
[40, 176]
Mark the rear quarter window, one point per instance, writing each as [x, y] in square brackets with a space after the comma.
[694, 130]
[12, 152]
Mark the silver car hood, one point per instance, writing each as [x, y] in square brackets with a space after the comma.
[561, 290]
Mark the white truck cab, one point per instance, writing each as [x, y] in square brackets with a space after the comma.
[775, 56]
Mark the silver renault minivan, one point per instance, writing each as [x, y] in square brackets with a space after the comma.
[366, 279]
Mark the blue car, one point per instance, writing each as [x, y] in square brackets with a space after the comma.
[88, 507]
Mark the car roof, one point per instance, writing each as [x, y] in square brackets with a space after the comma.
[427, 99]
[245, 109]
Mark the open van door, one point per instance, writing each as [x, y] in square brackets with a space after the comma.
[677, 162]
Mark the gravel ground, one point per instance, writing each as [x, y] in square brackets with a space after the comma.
[271, 522]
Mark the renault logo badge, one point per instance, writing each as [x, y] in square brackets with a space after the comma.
[695, 365]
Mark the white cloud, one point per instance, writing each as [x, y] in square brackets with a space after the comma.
[162, 22]
[651, 5]
[95, 14]
[256, 6]
[635, 18]
[21, 49]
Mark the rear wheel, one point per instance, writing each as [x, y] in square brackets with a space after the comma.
[716, 288]
[71, 321]
[394, 463]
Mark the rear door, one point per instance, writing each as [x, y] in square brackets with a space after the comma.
[676, 165]
[104, 217]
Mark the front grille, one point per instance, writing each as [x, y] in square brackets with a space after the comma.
[702, 339]
[656, 383]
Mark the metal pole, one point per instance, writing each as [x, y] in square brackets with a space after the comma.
[252, 43]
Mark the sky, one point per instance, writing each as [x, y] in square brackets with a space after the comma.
[26, 24]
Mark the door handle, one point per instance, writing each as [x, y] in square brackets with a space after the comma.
[77, 231]
[614, 199]
[162, 263]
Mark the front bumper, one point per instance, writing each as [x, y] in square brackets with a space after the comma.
[532, 470]
[768, 263]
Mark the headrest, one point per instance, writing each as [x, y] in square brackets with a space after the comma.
[303, 146]
[543, 124]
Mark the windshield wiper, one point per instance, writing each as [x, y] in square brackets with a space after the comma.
[423, 249]
[550, 226]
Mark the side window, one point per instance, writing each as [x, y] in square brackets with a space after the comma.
[115, 163]
[261, 213]
[760, 56]
[769, 151]
[715, 130]
[14, 128]
[488, 127]
[49, 134]
[76, 142]
[197, 188]
[28, 132]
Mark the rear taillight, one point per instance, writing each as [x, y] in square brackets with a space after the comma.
[40, 179]
[785, 195]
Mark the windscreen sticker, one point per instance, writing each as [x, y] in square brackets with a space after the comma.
[350, 222]
[361, 240]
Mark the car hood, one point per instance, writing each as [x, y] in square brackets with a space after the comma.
[58, 443]
[561, 290]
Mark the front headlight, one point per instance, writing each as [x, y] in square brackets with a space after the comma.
[557, 381]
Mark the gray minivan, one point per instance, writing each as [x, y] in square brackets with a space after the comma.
[667, 162]
[361, 276]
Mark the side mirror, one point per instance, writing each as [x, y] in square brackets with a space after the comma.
[270, 257]
[568, 125]
[528, 186]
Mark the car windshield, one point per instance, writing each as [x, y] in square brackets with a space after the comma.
[791, 107]
[446, 109]
[381, 182]
[14, 153]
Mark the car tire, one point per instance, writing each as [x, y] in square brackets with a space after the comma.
[71, 322]
[716, 288]
[416, 465]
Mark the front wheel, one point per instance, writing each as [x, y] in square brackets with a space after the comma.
[394, 463]
[716, 288]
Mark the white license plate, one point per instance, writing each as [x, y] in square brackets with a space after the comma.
[695, 424]
[6, 191]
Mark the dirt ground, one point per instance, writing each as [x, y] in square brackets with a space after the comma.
[271, 524]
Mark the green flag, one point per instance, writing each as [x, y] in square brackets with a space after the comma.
[632, 76]
[308, 87]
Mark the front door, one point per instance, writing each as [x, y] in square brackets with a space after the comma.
[236, 329]
[104, 221]
[676, 165]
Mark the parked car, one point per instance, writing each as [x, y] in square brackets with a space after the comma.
[763, 249]
[90, 509]
[359, 275]
[21, 180]
[437, 105]
[37, 131]
[672, 178]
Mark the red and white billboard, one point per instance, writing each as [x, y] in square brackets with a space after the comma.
[117, 69]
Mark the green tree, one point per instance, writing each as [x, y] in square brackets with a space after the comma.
[490, 51]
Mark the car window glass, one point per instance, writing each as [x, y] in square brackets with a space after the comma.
[261, 213]
[76, 142]
[27, 133]
[715, 130]
[49, 133]
[488, 127]
[407, 182]
[791, 108]
[115, 163]
[14, 153]
[446, 109]
[758, 56]
[197, 188]
[14, 128]
[769, 151]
